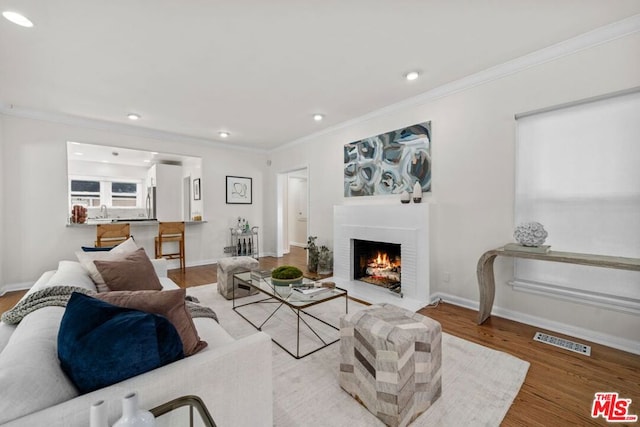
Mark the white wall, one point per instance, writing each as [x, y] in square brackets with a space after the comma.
[473, 178]
[2, 192]
[193, 172]
[34, 169]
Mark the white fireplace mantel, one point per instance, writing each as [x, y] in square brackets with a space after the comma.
[404, 224]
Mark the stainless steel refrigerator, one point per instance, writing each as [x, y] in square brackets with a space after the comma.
[151, 203]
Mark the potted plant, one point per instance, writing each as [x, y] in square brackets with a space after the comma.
[286, 275]
[312, 263]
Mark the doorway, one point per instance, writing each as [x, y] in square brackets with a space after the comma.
[293, 209]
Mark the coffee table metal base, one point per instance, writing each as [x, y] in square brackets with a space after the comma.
[299, 312]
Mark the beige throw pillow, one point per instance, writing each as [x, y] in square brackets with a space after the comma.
[87, 258]
[169, 304]
[134, 272]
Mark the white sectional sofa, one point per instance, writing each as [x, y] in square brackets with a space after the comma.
[232, 377]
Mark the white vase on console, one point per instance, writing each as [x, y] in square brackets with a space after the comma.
[132, 415]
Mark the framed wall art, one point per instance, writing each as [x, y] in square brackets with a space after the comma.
[389, 163]
[196, 189]
[239, 190]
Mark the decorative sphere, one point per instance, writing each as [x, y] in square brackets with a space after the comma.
[530, 234]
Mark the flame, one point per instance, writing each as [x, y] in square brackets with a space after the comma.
[382, 261]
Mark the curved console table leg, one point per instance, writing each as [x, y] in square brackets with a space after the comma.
[486, 283]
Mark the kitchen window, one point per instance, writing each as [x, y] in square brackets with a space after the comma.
[103, 191]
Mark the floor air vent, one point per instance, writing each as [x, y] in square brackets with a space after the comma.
[562, 343]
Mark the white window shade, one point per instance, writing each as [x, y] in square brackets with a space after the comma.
[578, 173]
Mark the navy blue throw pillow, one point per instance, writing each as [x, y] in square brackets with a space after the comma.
[100, 344]
[96, 248]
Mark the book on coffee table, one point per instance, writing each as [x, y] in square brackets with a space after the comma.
[310, 291]
[260, 274]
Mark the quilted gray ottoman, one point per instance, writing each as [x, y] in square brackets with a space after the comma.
[227, 267]
[390, 361]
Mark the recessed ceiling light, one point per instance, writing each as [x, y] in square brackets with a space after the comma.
[17, 19]
[79, 154]
[133, 116]
[318, 117]
[412, 75]
[224, 134]
[147, 161]
[154, 152]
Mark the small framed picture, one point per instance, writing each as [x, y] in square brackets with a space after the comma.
[239, 190]
[196, 189]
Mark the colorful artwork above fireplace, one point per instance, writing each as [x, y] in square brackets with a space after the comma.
[389, 163]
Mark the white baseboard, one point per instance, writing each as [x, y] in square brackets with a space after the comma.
[611, 302]
[563, 328]
[201, 262]
[11, 287]
[300, 245]
[175, 263]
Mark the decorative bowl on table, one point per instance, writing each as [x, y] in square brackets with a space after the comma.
[284, 277]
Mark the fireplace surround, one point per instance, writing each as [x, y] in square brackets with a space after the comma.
[399, 224]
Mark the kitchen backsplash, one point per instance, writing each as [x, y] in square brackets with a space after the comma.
[117, 213]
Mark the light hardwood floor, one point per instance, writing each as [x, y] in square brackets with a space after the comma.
[560, 385]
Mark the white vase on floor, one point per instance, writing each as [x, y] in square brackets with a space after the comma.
[132, 415]
[98, 414]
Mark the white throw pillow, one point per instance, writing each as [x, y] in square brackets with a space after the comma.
[87, 258]
[71, 273]
[30, 371]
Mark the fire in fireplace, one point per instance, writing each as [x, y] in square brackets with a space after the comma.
[378, 263]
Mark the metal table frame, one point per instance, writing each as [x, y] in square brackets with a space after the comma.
[189, 401]
[241, 279]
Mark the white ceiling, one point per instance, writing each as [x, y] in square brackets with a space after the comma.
[259, 69]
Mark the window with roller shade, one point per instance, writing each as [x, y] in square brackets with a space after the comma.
[578, 173]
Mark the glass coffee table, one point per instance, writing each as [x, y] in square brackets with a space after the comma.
[289, 298]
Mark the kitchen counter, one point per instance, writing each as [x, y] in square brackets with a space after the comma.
[133, 222]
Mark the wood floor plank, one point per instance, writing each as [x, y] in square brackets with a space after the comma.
[560, 385]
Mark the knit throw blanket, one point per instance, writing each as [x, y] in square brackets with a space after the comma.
[59, 295]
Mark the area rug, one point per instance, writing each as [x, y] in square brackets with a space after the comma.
[478, 384]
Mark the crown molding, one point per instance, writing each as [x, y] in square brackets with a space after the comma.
[103, 125]
[570, 46]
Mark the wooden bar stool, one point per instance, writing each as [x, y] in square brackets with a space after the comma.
[171, 232]
[111, 234]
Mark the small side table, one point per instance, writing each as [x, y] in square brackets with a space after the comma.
[178, 411]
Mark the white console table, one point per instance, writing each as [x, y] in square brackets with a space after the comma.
[486, 279]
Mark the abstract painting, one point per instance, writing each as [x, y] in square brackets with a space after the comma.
[389, 163]
[239, 190]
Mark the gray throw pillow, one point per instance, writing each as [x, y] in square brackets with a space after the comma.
[134, 272]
